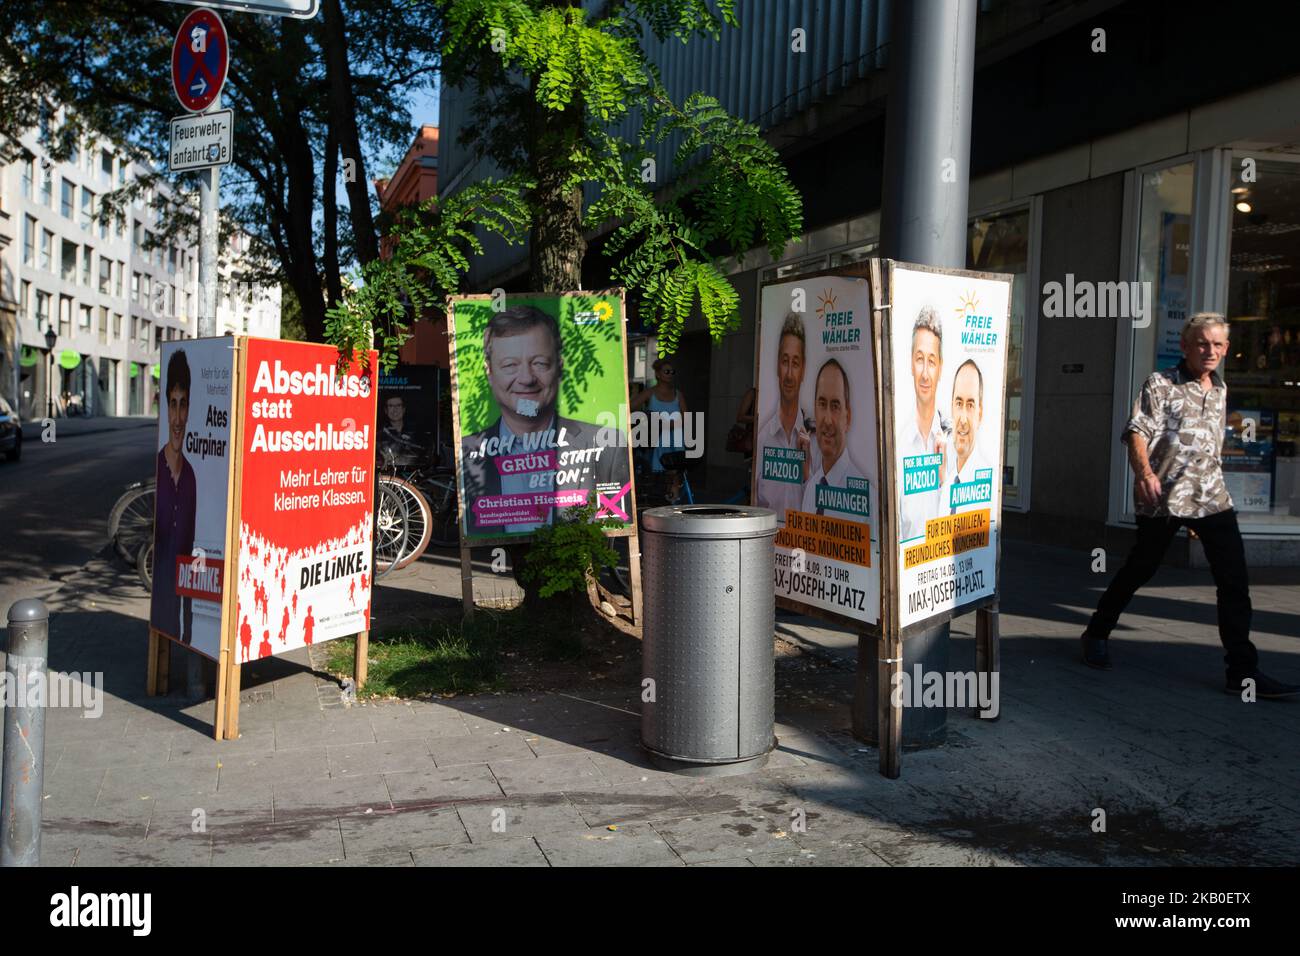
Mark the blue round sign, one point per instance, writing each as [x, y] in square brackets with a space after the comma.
[200, 57]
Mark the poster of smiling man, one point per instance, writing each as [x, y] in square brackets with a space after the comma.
[948, 334]
[539, 393]
[816, 459]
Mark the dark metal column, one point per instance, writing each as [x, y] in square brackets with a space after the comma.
[923, 220]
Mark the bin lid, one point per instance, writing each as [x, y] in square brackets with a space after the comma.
[710, 521]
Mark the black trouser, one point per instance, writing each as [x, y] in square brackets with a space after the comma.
[1227, 556]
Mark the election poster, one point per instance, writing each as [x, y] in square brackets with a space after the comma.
[409, 417]
[306, 499]
[948, 335]
[816, 456]
[539, 395]
[192, 469]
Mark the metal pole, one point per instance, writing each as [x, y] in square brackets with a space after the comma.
[209, 230]
[209, 233]
[923, 219]
[26, 669]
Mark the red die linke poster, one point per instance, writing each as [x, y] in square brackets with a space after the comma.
[308, 477]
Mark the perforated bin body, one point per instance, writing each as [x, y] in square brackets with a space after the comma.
[710, 616]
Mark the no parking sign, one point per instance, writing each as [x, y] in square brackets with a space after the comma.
[200, 58]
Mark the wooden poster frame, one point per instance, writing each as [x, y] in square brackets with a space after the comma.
[632, 531]
[225, 719]
[892, 638]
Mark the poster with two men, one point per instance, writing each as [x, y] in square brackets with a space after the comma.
[818, 443]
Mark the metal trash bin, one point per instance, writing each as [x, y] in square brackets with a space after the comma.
[710, 616]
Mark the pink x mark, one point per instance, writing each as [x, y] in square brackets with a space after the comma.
[608, 505]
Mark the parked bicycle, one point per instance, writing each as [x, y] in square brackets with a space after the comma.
[130, 527]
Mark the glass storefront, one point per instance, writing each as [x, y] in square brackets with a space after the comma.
[999, 242]
[1263, 367]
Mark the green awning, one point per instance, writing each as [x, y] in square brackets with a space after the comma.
[69, 358]
[155, 370]
[135, 369]
[29, 357]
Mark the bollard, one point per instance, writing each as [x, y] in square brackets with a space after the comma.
[22, 784]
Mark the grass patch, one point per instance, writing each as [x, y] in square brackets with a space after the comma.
[455, 658]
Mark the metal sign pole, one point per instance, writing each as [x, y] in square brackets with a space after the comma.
[209, 228]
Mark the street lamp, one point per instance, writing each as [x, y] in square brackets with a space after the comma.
[50, 338]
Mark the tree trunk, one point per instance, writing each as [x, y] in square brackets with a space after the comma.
[343, 122]
[556, 244]
[330, 221]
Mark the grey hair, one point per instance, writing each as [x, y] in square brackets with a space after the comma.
[1202, 320]
[928, 319]
[793, 325]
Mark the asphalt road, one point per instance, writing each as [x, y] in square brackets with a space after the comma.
[54, 505]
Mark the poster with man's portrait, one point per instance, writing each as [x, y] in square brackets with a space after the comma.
[408, 417]
[192, 468]
[539, 394]
[816, 458]
[948, 333]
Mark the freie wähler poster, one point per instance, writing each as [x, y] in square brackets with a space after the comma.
[948, 333]
[541, 404]
[305, 534]
[192, 468]
[816, 459]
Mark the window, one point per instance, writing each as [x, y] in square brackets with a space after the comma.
[47, 186]
[68, 198]
[29, 178]
[157, 337]
[144, 332]
[65, 315]
[103, 324]
[118, 277]
[106, 166]
[1000, 243]
[86, 318]
[135, 328]
[121, 172]
[29, 241]
[87, 208]
[117, 325]
[171, 261]
[42, 309]
[47, 249]
[69, 261]
[1263, 363]
[86, 256]
[75, 156]
[105, 275]
[135, 287]
[25, 299]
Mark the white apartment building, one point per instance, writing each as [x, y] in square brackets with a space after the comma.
[110, 294]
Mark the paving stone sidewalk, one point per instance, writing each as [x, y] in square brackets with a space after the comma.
[1184, 773]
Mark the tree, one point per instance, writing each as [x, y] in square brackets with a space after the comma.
[304, 92]
[550, 80]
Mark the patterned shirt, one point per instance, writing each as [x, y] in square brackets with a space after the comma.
[1183, 425]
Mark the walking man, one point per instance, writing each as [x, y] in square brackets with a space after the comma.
[1175, 439]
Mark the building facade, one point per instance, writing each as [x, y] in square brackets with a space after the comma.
[1120, 147]
[110, 291]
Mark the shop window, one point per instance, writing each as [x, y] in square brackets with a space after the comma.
[1000, 243]
[1261, 463]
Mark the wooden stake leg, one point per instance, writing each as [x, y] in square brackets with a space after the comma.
[634, 570]
[361, 661]
[890, 715]
[228, 691]
[466, 581]
[988, 653]
[158, 664]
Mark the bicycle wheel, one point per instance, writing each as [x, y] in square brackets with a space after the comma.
[144, 565]
[130, 523]
[403, 522]
[446, 512]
